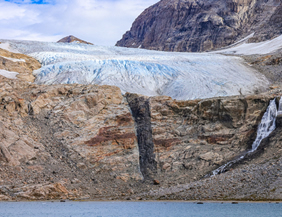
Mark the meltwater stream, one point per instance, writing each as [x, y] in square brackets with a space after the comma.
[266, 126]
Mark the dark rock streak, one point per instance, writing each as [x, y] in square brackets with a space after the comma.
[140, 108]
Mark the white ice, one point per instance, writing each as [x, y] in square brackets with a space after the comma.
[245, 48]
[13, 59]
[8, 74]
[182, 76]
[6, 46]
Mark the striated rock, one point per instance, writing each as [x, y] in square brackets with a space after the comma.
[71, 38]
[203, 25]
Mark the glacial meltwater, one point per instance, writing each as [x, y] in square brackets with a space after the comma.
[266, 126]
[138, 209]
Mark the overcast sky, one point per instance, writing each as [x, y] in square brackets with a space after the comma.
[102, 22]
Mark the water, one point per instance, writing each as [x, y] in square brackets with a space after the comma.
[138, 209]
[266, 126]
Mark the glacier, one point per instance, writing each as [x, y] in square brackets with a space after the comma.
[182, 76]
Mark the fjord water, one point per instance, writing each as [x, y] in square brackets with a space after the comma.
[138, 209]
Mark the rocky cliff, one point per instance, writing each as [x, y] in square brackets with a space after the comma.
[203, 25]
[91, 142]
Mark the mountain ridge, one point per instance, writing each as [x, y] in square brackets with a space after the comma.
[198, 25]
[71, 38]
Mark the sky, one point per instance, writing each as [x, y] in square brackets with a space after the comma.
[102, 22]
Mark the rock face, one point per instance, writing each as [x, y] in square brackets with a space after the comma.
[20, 63]
[203, 25]
[91, 142]
[192, 138]
[71, 38]
[269, 65]
[260, 181]
[82, 137]
[272, 27]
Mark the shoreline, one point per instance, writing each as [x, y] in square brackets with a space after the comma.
[146, 201]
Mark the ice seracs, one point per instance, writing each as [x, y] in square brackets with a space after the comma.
[182, 76]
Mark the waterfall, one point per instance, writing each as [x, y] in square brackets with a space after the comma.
[266, 126]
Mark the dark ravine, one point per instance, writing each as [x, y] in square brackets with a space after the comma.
[141, 113]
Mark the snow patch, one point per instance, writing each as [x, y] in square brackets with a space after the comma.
[8, 74]
[13, 59]
[264, 47]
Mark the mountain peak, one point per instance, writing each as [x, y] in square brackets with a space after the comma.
[203, 25]
[71, 38]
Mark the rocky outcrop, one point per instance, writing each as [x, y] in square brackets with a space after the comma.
[203, 25]
[271, 28]
[259, 181]
[71, 38]
[80, 136]
[192, 138]
[269, 65]
[91, 142]
[20, 63]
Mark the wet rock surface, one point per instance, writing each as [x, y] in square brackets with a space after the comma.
[203, 25]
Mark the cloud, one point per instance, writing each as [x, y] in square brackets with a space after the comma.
[101, 22]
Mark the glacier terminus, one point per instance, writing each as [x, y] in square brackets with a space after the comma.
[182, 76]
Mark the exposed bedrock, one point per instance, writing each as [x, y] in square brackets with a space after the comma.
[203, 25]
[191, 138]
[88, 141]
[194, 137]
[81, 137]
[258, 177]
[140, 107]
[20, 63]
[72, 39]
